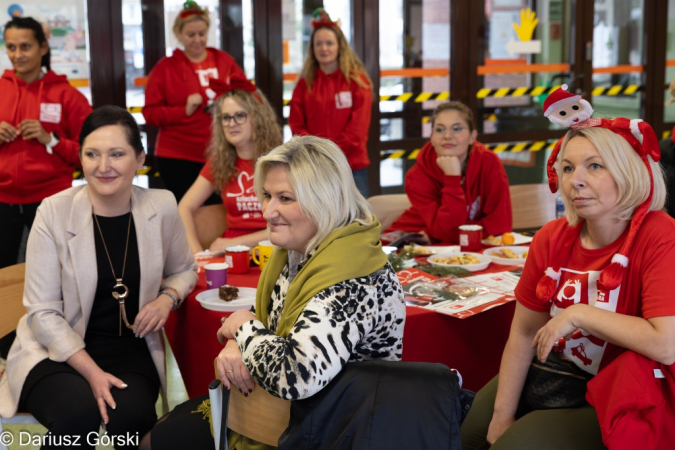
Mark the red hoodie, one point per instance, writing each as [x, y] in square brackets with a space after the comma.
[170, 83]
[441, 203]
[28, 173]
[335, 109]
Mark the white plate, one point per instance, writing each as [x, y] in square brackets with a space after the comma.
[482, 265]
[438, 249]
[518, 250]
[388, 249]
[209, 300]
[518, 239]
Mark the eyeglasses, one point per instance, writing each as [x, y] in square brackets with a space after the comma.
[239, 118]
[454, 130]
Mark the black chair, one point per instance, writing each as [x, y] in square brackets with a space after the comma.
[380, 405]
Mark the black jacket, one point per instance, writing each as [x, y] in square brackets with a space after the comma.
[379, 405]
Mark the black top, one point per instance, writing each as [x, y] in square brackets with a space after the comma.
[113, 353]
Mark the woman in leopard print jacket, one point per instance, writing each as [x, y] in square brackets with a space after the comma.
[327, 296]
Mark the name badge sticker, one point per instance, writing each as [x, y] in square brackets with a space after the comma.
[343, 100]
[50, 112]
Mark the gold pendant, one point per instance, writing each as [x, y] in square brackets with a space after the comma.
[120, 296]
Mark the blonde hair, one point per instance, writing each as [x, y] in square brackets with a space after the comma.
[266, 134]
[322, 182]
[626, 167]
[350, 65]
[200, 14]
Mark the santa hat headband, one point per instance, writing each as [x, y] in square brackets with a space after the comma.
[559, 98]
[191, 8]
[642, 139]
[235, 83]
[322, 19]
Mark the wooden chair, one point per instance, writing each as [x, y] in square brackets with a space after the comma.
[388, 208]
[533, 205]
[210, 224]
[260, 416]
[11, 293]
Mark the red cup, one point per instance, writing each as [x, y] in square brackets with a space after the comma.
[470, 237]
[237, 257]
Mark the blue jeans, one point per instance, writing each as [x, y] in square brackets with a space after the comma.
[361, 180]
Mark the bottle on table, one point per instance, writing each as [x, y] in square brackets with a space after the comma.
[559, 207]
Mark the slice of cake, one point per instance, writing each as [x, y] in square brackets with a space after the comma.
[228, 293]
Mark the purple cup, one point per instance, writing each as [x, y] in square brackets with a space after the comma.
[216, 275]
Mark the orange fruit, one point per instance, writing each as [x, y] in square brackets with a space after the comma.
[508, 239]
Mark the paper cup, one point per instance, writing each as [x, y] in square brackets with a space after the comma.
[469, 237]
[216, 275]
[237, 258]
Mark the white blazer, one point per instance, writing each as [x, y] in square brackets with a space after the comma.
[61, 279]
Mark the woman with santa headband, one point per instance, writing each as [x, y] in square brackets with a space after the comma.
[177, 97]
[596, 284]
[333, 96]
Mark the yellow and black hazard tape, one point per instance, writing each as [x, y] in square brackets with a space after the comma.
[485, 93]
[616, 90]
[521, 146]
[515, 92]
[399, 154]
[534, 146]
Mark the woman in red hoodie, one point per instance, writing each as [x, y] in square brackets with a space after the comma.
[333, 96]
[456, 181]
[177, 97]
[40, 119]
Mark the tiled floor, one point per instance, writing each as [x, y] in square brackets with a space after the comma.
[176, 394]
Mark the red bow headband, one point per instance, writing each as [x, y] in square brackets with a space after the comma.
[191, 8]
[642, 139]
[236, 82]
[322, 19]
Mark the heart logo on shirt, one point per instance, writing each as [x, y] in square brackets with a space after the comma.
[243, 179]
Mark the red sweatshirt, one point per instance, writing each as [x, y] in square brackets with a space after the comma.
[441, 203]
[336, 109]
[170, 83]
[28, 173]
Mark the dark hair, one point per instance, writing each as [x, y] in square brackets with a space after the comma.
[28, 23]
[112, 115]
[456, 106]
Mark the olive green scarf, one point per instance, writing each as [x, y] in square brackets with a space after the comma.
[348, 252]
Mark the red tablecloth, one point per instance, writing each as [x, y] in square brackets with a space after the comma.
[473, 345]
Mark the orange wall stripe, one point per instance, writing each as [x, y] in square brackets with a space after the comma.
[618, 69]
[521, 68]
[78, 82]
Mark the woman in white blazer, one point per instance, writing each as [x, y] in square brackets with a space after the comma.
[106, 263]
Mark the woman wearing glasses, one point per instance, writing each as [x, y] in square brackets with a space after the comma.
[456, 181]
[244, 128]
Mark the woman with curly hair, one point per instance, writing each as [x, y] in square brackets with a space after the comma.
[244, 128]
[333, 96]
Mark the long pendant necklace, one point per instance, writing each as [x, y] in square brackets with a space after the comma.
[120, 291]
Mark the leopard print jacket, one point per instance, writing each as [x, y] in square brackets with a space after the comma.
[354, 320]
